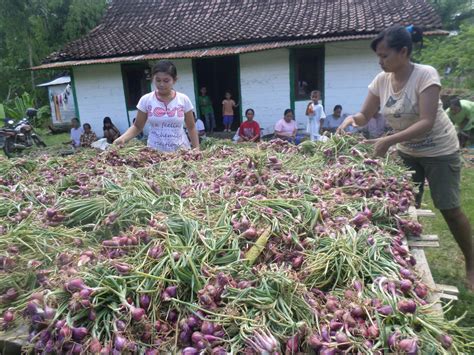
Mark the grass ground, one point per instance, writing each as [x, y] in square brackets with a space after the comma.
[447, 261]
[53, 139]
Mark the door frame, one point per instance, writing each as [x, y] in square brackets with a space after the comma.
[196, 84]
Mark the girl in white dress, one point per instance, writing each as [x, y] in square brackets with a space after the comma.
[316, 116]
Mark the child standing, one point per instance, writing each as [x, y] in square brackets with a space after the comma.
[228, 111]
[205, 106]
[316, 116]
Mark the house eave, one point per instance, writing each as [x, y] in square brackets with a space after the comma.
[217, 51]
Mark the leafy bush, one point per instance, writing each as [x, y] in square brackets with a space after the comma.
[17, 107]
[452, 56]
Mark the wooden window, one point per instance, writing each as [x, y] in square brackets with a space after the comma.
[135, 83]
[308, 67]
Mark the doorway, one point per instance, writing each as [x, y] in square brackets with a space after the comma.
[219, 75]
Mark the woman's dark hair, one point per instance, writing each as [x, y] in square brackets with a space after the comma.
[86, 125]
[108, 120]
[455, 102]
[249, 110]
[337, 107]
[398, 36]
[287, 111]
[165, 66]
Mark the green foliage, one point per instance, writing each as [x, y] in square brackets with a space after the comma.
[30, 30]
[17, 107]
[455, 52]
[453, 12]
[83, 16]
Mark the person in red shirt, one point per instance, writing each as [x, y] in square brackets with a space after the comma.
[249, 130]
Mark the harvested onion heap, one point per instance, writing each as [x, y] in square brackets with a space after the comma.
[266, 248]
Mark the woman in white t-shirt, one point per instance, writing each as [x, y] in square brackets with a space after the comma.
[76, 132]
[167, 111]
[408, 95]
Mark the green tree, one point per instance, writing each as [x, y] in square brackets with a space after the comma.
[454, 12]
[32, 29]
[452, 56]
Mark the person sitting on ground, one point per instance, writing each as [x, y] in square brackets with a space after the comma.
[110, 131]
[200, 128]
[88, 137]
[333, 121]
[249, 131]
[375, 128]
[76, 132]
[461, 113]
[286, 127]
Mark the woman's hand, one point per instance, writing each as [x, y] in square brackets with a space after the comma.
[349, 120]
[119, 142]
[381, 145]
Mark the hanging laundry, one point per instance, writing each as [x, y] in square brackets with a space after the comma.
[63, 99]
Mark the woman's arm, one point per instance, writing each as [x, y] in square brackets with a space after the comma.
[283, 134]
[428, 106]
[464, 122]
[256, 137]
[134, 129]
[191, 126]
[369, 109]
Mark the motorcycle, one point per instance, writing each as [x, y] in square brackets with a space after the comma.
[15, 137]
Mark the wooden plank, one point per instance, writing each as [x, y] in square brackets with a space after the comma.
[412, 213]
[423, 244]
[425, 213]
[447, 296]
[424, 237]
[12, 340]
[451, 290]
[424, 271]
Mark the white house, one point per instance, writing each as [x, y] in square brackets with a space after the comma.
[269, 53]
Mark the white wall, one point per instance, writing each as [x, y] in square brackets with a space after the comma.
[100, 93]
[350, 67]
[265, 85]
[99, 90]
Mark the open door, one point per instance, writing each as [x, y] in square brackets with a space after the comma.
[219, 75]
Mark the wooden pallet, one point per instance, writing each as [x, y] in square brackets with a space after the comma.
[416, 245]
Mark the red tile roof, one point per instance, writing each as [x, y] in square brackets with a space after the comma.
[134, 27]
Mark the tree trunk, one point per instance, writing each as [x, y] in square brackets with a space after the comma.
[30, 57]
